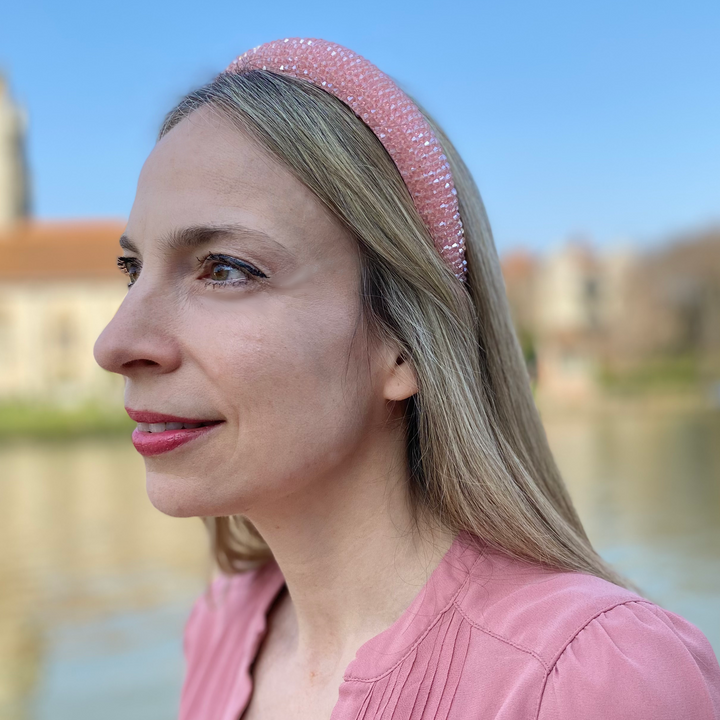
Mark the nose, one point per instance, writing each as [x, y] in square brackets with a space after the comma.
[138, 339]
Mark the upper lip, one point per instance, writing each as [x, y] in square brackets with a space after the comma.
[146, 416]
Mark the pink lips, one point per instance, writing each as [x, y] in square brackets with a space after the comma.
[156, 443]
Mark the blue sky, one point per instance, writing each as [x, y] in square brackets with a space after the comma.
[599, 117]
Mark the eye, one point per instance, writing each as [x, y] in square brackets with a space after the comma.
[223, 270]
[131, 267]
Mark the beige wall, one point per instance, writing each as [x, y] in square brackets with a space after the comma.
[47, 333]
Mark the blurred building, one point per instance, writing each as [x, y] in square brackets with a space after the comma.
[586, 312]
[565, 305]
[14, 183]
[59, 286]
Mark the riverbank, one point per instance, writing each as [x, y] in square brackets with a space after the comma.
[615, 403]
[24, 420]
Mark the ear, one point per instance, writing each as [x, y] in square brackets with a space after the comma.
[401, 380]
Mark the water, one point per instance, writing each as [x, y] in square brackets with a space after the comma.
[647, 486]
[95, 584]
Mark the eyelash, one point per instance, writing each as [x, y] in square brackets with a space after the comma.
[250, 272]
[124, 262]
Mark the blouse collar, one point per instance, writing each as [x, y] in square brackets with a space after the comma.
[446, 584]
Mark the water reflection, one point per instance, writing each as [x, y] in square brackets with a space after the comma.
[95, 584]
[89, 570]
[647, 486]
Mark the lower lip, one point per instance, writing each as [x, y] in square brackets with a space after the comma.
[147, 443]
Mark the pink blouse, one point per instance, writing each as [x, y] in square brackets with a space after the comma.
[487, 638]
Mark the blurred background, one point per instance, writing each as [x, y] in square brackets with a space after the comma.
[593, 132]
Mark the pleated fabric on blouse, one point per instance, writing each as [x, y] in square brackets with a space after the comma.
[487, 638]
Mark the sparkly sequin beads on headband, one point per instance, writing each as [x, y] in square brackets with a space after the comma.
[390, 114]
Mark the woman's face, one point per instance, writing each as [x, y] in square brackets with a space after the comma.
[244, 309]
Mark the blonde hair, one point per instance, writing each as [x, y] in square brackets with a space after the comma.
[478, 455]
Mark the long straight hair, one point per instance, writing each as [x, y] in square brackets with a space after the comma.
[478, 455]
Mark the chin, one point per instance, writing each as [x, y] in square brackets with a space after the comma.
[176, 497]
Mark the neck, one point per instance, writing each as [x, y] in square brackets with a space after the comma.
[352, 556]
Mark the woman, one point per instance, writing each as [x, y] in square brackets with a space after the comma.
[319, 355]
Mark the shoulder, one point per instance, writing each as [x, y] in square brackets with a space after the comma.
[605, 651]
[636, 661]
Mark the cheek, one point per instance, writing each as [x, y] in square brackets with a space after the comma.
[260, 356]
[295, 388]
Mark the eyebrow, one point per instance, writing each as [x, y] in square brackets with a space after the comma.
[195, 236]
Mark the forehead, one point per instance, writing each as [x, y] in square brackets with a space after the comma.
[205, 170]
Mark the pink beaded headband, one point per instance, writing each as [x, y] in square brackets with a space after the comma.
[390, 114]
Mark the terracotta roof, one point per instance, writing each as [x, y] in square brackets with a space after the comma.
[518, 265]
[61, 250]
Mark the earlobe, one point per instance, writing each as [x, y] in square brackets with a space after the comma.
[402, 381]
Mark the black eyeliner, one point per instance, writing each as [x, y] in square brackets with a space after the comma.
[234, 262]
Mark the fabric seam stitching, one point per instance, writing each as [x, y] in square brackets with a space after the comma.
[572, 637]
[417, 642]
[503, 639]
